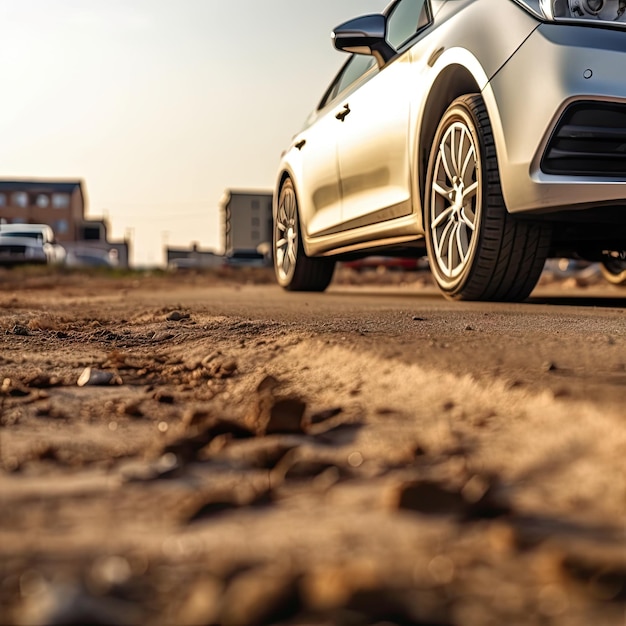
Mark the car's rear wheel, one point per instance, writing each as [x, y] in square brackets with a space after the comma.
[295, 270]
[477, 250]
[614, 271]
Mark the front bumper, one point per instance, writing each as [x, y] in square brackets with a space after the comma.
[20, 255]
[559, 69]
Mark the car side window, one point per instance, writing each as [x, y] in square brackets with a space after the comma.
[358, 65]
[405, 19]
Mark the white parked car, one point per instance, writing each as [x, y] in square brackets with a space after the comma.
[22, 244]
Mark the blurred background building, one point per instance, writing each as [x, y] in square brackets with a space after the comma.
[246, 221]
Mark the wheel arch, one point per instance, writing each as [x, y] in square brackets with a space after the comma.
[282, 177]
[453, 81]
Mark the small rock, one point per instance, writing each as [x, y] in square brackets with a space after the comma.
[282, 416]
[272, 414]
[132, 409]
[549, 366]
[416, 318]
[430, 498]
[21, 330]
[480, 498]
[177, 316]
[97, 378]
[14, 390]
[228, 367]
[163, 397]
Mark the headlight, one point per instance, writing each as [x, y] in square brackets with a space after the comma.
[611, 11]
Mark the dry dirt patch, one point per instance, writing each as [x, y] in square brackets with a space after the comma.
[236, 470]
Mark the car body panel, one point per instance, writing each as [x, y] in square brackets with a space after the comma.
[316, 160]
[373, 156]
[571, 51]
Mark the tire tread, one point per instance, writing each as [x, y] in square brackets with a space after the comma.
[311, 273]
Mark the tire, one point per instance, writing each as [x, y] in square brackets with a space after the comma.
[477, 250]
[614, 271]
[295, 271]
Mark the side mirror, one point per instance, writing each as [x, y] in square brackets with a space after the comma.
[365, 35]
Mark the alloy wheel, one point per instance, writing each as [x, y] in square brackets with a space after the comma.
[454, 209]
[286, 234]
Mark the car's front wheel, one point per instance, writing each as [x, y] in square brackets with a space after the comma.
[295, 271]
[477, 250]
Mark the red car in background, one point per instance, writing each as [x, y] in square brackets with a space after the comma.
[402, 264]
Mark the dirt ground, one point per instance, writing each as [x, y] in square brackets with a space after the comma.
[195, 449]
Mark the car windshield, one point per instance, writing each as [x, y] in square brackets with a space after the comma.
[29, 235]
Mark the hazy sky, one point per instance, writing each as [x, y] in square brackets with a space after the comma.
[160, 105]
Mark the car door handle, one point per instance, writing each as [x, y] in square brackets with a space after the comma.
[341, 116]
[435, 55]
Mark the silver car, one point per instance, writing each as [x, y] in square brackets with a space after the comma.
[490, 134]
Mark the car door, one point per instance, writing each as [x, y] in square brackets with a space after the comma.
[320, 194]
[373, 146]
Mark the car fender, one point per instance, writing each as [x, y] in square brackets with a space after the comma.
[455, 72]
[463, 58]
